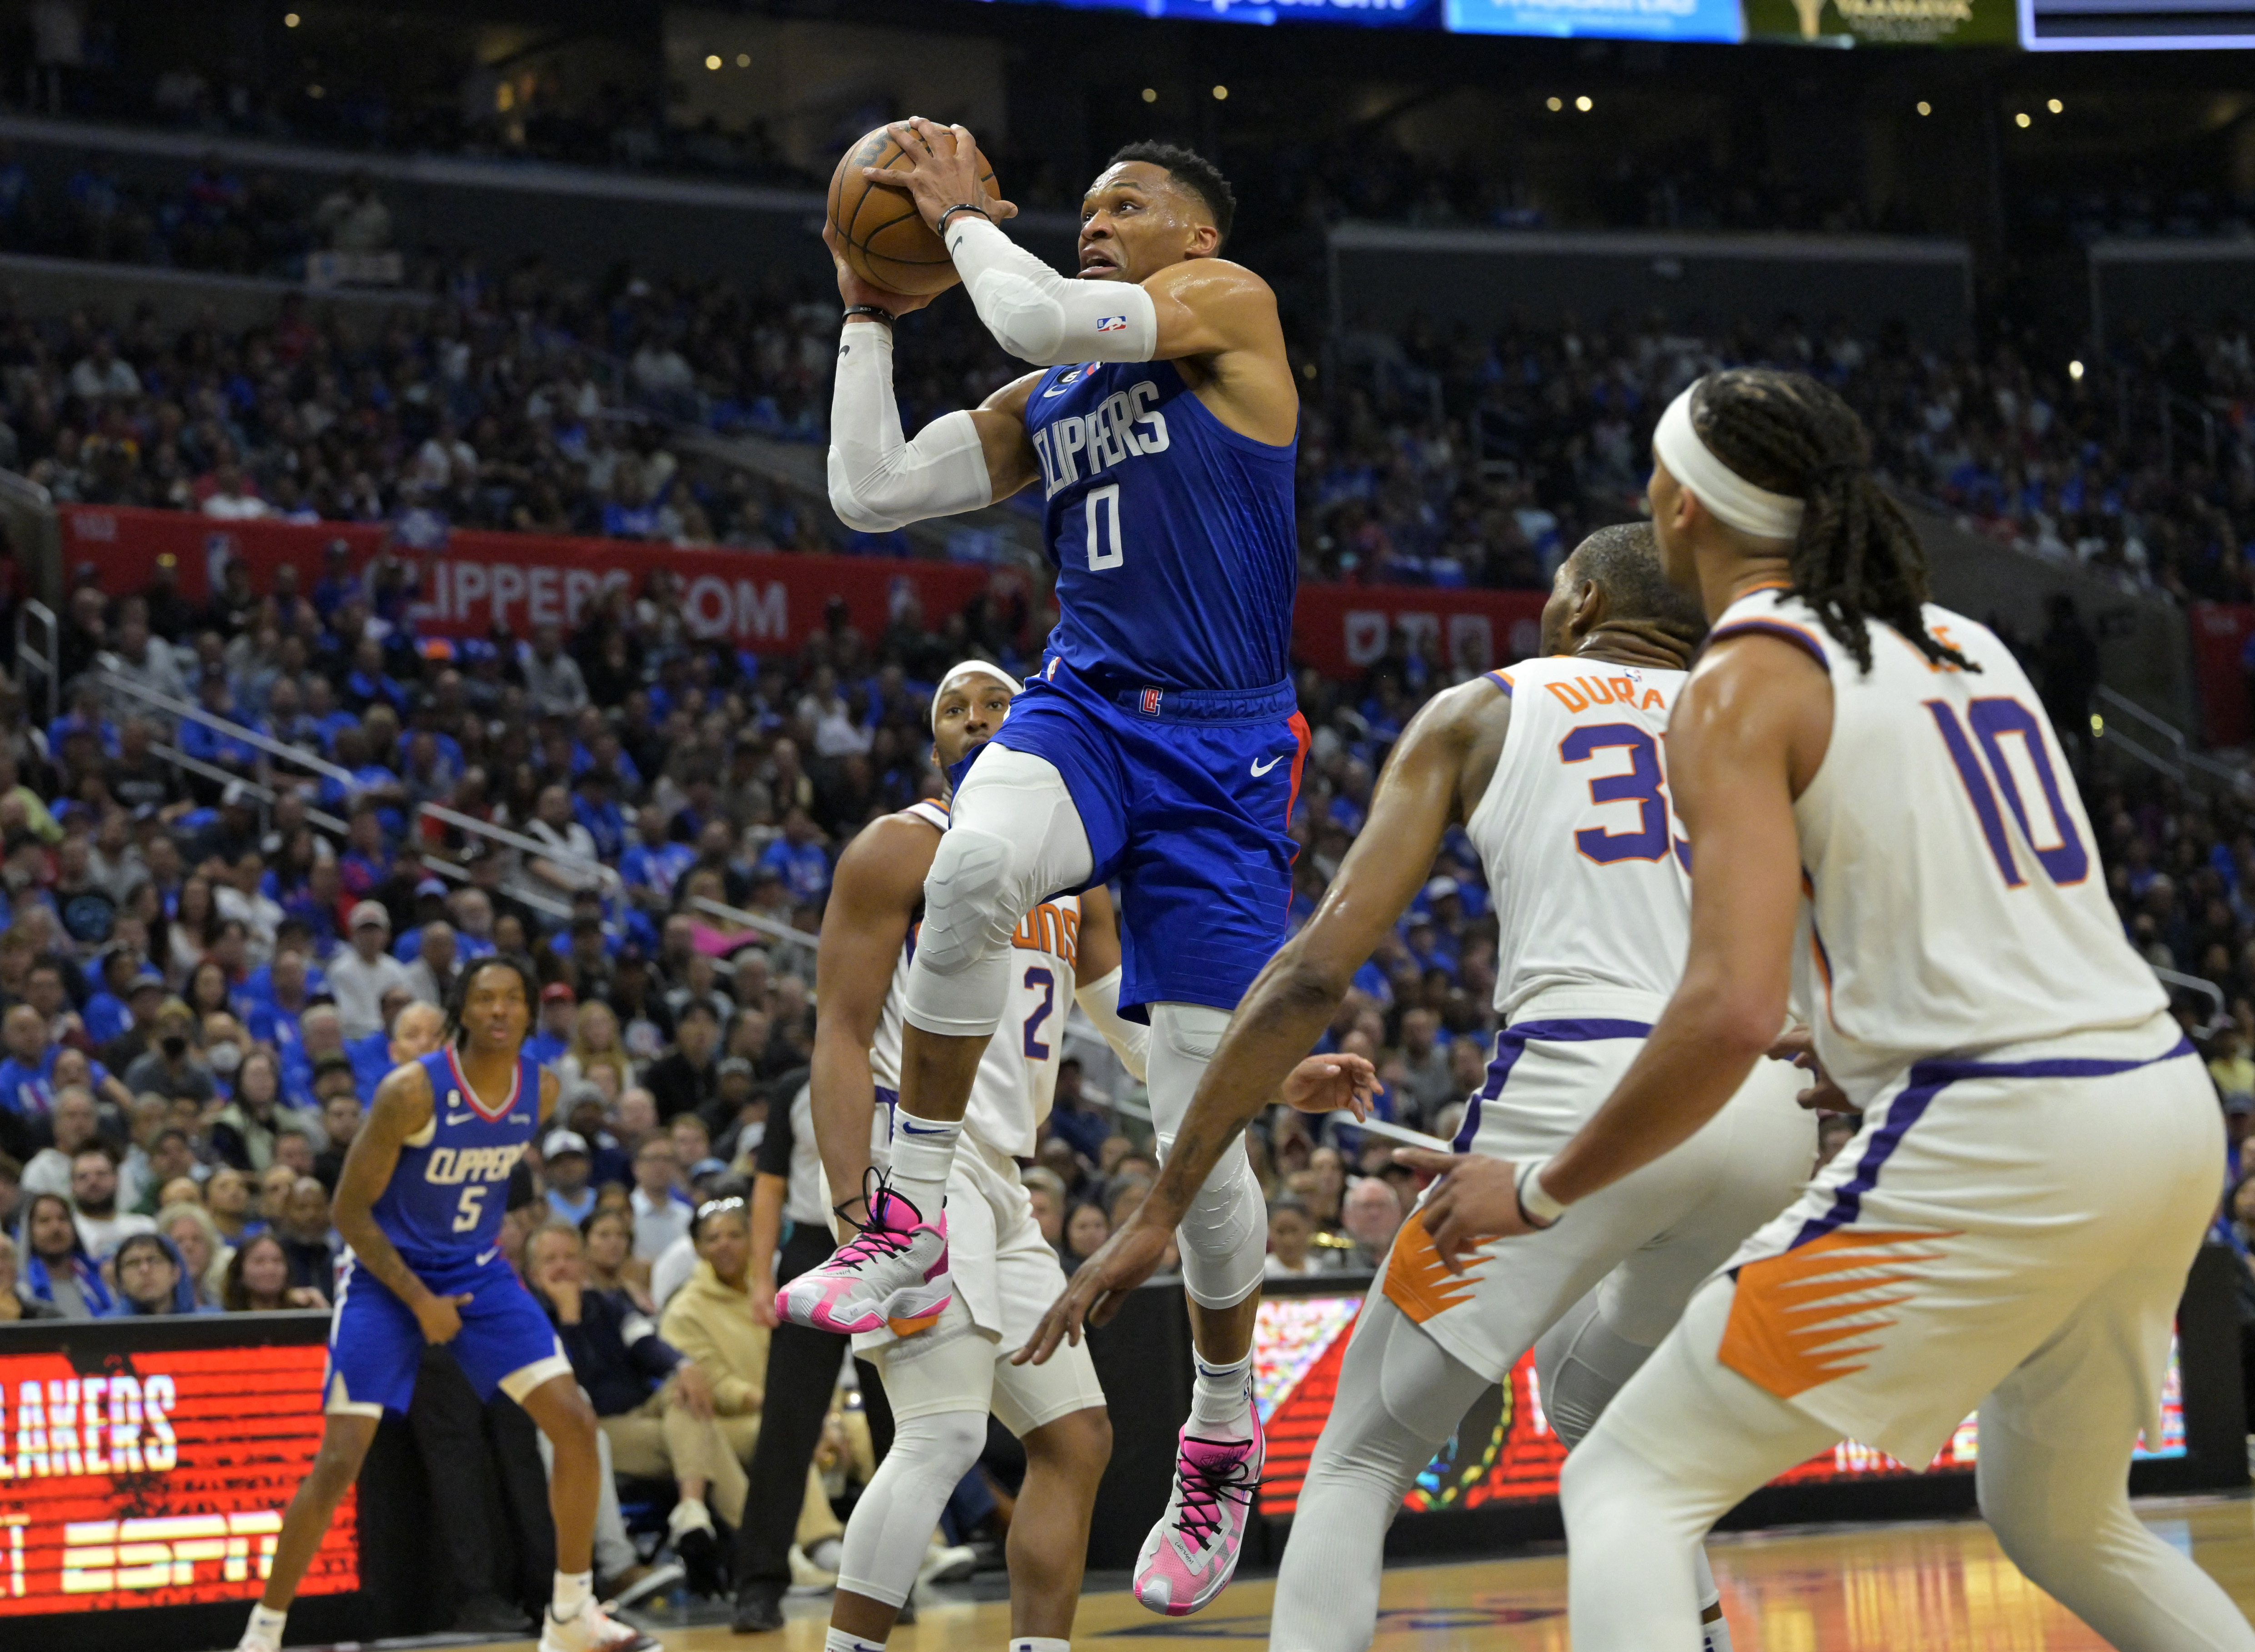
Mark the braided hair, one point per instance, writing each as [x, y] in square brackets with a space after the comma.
[1855, 556]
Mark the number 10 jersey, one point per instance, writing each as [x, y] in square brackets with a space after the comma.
[1953, 901]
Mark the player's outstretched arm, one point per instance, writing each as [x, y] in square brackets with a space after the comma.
[879, 479]
[1454, 740]
[1746, 736]
[403, 1105]
[879, 881]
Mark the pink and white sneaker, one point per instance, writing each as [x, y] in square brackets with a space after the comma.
[891, 1276]
[1191, 1553]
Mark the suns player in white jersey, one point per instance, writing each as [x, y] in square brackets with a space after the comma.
[945, 1366]
[1884, 821]
[1554, 768]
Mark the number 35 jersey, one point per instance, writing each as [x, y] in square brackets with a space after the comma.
[446, 1195]
[1016, 1081]
[1953, 898]
[1581, 845]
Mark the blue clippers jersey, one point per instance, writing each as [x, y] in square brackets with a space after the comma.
[1173, 535]
[446, 1194]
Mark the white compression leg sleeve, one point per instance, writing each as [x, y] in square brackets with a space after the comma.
[1014, 838]
[1224, 1235]
[940, 1391]
[878, 481]
[1040, 316]
[1400, 1395]
[1581, 1363]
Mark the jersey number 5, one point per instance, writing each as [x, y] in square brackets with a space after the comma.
[1643, 786]
[2004, 726]
[472, 1209]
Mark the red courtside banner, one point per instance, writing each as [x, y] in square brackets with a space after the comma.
[157, 1478]
[1342, 629]
[760, 600]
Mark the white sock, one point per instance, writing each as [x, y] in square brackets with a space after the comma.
[923, 1153]
[266, 1623]
[1219, 1401]
[838, 1641]
[573, 1590]
[1716, 1636]
[1038, 1643]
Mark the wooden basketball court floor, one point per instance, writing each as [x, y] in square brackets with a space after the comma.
[1930, 1586]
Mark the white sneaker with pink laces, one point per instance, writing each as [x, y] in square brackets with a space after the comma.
[590, 1630]
[892, 1275]
[1191, 1553]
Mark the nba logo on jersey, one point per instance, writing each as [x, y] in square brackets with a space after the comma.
[1151, 697]
[1112, 324]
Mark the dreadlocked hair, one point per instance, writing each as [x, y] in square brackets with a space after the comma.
[1856, 557]
[458, 996]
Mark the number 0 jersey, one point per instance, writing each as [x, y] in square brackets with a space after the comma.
[1580, 843]
[446, 1198]
[1953, 900]
[1173, 535]
[1016, 1081]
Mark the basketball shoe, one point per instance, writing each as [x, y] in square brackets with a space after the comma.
[1191, 1553]
[590, 1630]
[892, 1274]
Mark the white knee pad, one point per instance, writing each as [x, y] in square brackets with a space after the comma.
[1581, 1363]
[892, 1524]
[1224, 1235]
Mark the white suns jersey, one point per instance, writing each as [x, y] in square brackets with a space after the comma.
[1581, 844]
[1952, 898]
[1017, 1080]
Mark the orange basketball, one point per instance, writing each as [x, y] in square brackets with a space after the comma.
[884, 236]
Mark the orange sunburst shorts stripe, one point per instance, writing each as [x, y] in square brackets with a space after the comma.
[1808, 1316]
[1418, 1282]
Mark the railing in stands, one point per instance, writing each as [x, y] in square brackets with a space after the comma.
[49, 662]
[766, 926]
[2175, 757]
[2219, 1014]
[112, 677]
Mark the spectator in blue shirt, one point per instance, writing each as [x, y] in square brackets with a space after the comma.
[595, 806]
[323, 713]
[206, 744]
[558, 1004]
[565, 1165]
[655, 862]
[152, 1279]
[798, 858]
[26, 1086]
[107, 1011]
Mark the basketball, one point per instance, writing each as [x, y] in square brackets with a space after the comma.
[885, 238]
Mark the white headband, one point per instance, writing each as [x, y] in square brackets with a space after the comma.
[1728, 496]
[978, 668]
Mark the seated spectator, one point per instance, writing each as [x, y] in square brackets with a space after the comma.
[189, 1228]
[258, 1280]
[101, 1226]
[566, 1164]
[77, 1124]
[59, 1271]
[359, 975]
[152, 1279]
[1045, 1194]
[1072, 1117]
[661, 1209]
[308, 1237]
[655, 1407]
[227, 1198]
[1290, 1232]
[14, 1305]
[1085, 1230]
[243, 1131]
[607, 1246]
[1373, 1215]
[173, 1067]
[342, 1118]
[687, 1079]
[276, 1183]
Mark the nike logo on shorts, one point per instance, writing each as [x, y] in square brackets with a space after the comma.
[1260, 769]
[486, 1257]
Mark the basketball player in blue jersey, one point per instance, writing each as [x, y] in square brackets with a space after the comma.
[420, 1203]
[1158, 744]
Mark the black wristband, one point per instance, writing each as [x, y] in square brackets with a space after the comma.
[873, 310]
[963, 206]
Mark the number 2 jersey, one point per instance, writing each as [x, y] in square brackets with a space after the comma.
[446, 1195]
[1581, 847]
[1016, 1081]
[1953, 901]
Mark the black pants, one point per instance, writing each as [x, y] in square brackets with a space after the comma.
[803, 1365]
[488, 1491]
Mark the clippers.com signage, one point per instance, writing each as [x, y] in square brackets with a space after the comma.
[158, 1479]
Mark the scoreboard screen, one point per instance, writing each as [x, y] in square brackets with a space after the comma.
[134, 1478]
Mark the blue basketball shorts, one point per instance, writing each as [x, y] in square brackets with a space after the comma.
[375, 1342]
[1187, 798]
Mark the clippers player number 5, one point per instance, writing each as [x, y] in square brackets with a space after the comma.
[420, 1203]
[1159, 745]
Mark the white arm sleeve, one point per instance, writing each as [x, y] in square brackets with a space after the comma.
[1042, 317]
[1099, 1001]
[879, 482]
